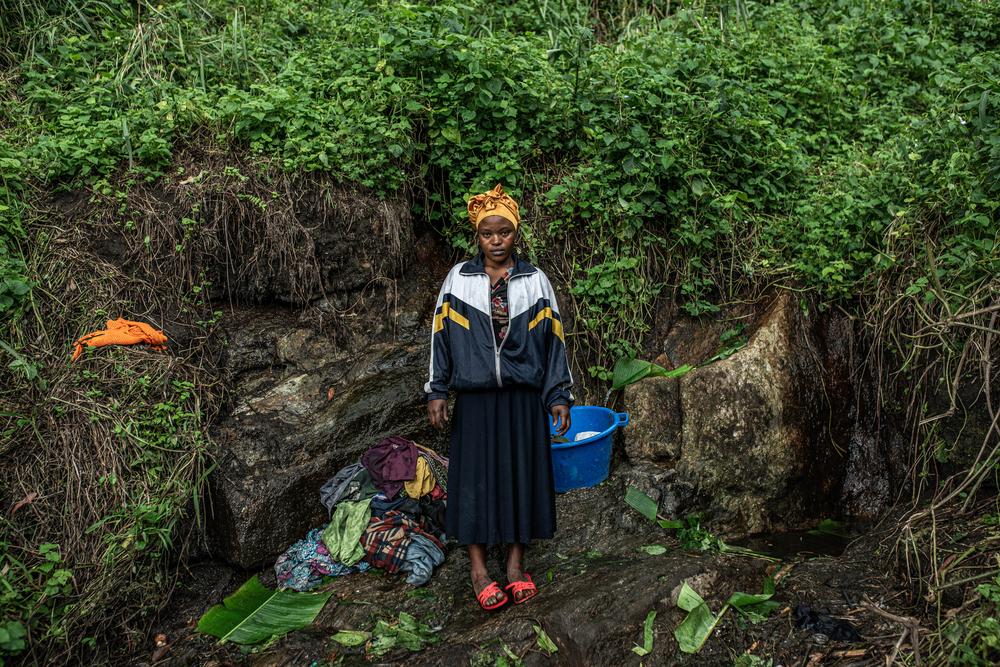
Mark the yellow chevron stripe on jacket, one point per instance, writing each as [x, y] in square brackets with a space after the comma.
[448, 313]
[556, 324]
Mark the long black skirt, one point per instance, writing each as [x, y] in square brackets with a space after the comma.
[500, 488]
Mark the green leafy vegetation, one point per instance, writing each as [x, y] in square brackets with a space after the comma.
[405, 633]
[145, 458]
[543, 641]
[700, 622]
[34, 594]
[647, 636]
[688, 151]
[690, 533]
[629, 370]
[502, 656]
[751, 660]
[976, 640]
[641, 503]
[351, 637]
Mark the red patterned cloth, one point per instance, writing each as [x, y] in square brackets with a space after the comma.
[387, 538]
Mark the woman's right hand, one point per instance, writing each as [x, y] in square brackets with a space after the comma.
[437, 411]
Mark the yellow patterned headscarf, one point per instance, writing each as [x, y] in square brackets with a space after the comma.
[494, 202]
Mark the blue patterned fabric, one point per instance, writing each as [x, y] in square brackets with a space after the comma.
[306, 562]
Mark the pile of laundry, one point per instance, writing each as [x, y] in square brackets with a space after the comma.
[386, 511]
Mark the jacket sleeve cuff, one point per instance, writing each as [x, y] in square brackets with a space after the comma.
[437, 395]
[562, 398]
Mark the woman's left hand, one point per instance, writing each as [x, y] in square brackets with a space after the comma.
[560, 415]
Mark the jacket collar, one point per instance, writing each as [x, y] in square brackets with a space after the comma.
[476, 266]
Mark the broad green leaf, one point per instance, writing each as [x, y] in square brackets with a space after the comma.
[696, 628]
[755, 607]
[654, 549]
[697, 187]
[382, 644]
[409, 640]
[740, 600]
[12, 634]
[351, 637]
[641, 503]
[744, 601]
[688, 598]
[699, 623]
[647, 636]
[756, 613]
[254, 613]
[544, 642]
[628, 371]
[676, 372]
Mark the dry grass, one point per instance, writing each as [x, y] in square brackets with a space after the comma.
[934, 358]
[107, 457]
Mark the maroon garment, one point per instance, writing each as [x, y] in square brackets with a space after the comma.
[390, 463]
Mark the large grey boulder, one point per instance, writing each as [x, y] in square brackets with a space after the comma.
[751, 439]
[307, 410]
[308, 392]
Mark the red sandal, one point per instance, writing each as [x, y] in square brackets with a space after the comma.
[492, 589]
[516, 587]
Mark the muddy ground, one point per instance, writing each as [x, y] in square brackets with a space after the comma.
[596, 587]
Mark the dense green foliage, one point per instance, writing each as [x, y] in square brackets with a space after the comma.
[822, 143]
[850, 149]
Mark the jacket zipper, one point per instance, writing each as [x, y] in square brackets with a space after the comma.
[497, 349]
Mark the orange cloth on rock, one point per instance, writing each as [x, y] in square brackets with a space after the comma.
[122, 332]
[494, 202]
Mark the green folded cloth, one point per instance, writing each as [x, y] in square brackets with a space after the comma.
[343, 536]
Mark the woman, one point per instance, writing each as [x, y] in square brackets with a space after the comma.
[497, 341]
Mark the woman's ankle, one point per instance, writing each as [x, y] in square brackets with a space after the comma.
[515, 562]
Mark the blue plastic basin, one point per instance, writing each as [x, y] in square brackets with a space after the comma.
[577, 465]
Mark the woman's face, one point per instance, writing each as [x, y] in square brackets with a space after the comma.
[496, 237]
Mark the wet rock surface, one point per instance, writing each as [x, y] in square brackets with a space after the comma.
[282, 443]
[305, 400]
[757, 440]
[596, 586]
